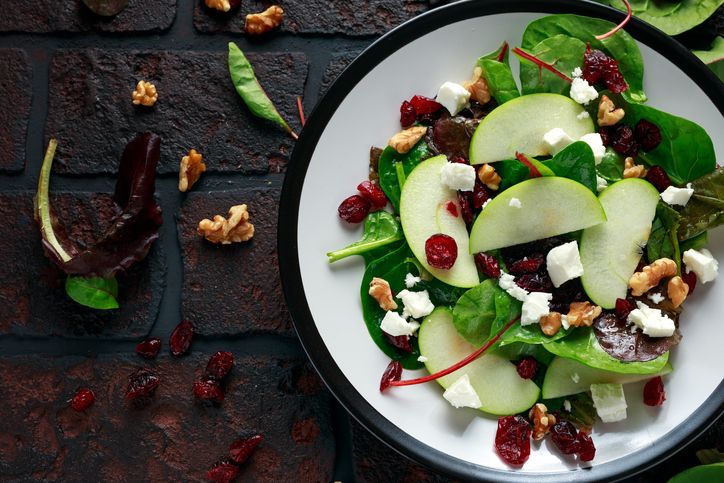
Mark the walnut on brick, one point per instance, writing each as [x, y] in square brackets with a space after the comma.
[144, 94]
[190, 170]
[235, 229]
[260, 23]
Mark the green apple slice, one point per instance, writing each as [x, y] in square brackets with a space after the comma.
[495, 379]
[550, 206]
[519, 126]
[611, 251]
[566, 376]
[423, 213]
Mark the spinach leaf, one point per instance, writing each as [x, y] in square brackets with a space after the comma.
[704, 210]
[529, 334]
[250, 91]
[94, 292]
[475, 312]
[582, 346]
[518, 350]
[663, 241]
[496, 54]
[511, 172]
[713, 472]
[575, 162]
[500, 80]
[714, 58]
[621, 46]
[696, 243]
[611, 166]
[391, 161]
[671, 16]
[686, 151]
[381, 228]
[440, 292]
[583, 412]
[562, 52]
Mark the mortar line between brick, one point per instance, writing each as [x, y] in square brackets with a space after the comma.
[344, 456]
[39, 60]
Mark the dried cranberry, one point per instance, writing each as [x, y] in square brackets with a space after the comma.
[658, 177]
[441, 251]
[647, 134]
[83, 399]
[564, 435]
[527, 367]
[219, 365]
[512, 439]
[480, 195]
[452, 208]
[424, 105]
[623, 308]
[487, 264]
[654, 394]
[373, 194]
[142, 383]
[535, 282]
[606, 135]
[465, 202]
[623, 140]
[407, 114]
[392, 373]
[223, 472]
[598, 67]
[181, 337]
[241, 449]
[354, 209]
[149, 348]
[689, 279]
[401, 342]
[586, 448]
[459, 160]
[208, 391]
[527, 265]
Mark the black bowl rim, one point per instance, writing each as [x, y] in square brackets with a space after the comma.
[293, 288]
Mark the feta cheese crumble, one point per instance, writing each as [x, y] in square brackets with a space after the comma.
[577, 72]
[417, 304]
[422, 359]
[564, 322]
[411, 280]
[595, 141]
[609, 401]
[567, 405]
[582, 92]
[535, 306]
[461, 394]
[507, 283]
[656, 297]
[458, 176]
[453, 97]
[601, 184]
[702, 263]
[394, 325]
[677, 196]
[651, 321]
[583, 115]
[556, 139]
[515, 203]
[564, 263]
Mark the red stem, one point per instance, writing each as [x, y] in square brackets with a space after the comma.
[619, 26]
[503, 51]
[301, 110]
[534, 173]
[520, 53]
[462, 363]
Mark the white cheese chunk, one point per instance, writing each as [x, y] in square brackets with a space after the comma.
[507, 283]
[515, 203]
[567, 405]
[453, 97]
[652, 322]
[702, 263]
[422, 359]
[535, 306]
[417, 304]
[583, 115]
[556, 139]
[677, 196]
[564, 322]
[461, 394]
[595, 141]
[394, 325]
[601, 184]
[577, 72]
[458, 176]
[411, 280]
[564, 263]
[656, 297]
[609, 401]
[582, 92]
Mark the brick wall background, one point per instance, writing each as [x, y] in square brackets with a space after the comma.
[68, 74]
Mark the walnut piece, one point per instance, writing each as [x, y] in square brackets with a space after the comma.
[489, 177]
[405, 140]
[631, 170]
[608, 114]
[477, 87]
[380, 291]
[582, 314]
[222, 5]
[550, 324]
[145, 94]
[260, 23]
[542, 421]
[677, 291]
[236, 229]
[190, 170]
[650, 276]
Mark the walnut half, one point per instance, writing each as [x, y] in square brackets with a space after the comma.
[542, 421]
[226, 231]
[260, 23]
[650, 276]
[582, 314]
[677, 290]
[489, 177]
[405, 140]
[145, 94]
[380, 291]
[608, 113]
[190, 170]
[631, 170]
[222, 5]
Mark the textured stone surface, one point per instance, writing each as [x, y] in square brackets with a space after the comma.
[33, 301]
[73, 16]
[232, 289]
[369, 17]
[170, 438]
[91, 114]
[15, 90]
[335, 67]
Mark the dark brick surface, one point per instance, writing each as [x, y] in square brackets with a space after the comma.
[33, 301]
[91, 114]
[15, 90]
[172, 438]
[232, 289]
[337, 64]
[368, 17]
[44, 16]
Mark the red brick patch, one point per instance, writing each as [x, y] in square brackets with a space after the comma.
[15, 90]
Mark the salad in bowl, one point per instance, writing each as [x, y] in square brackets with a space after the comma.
[533, 248]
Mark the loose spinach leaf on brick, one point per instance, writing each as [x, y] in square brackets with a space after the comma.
[94, 292]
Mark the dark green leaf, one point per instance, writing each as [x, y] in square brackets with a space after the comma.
[695, 243]
[703, 211]
[529, 334]
[519, 350]
[495, 55]
[475, 312]
[611, 166]
[663, 241]
[562, 52]
[575, 162]
[582, 413]
[381, 228]
[714, 58]
[500, 80]
[671, 16]
[699, 474]
[511, 173]
[388, 169]
[250, 91]
[440, 292]
[94, 292]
